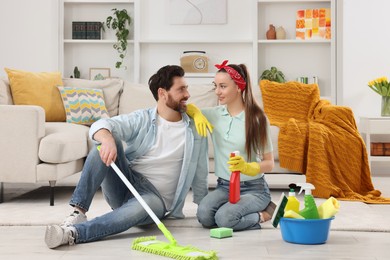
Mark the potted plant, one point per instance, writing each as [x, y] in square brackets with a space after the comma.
[120, 22]
[382, 87]
[273, 74]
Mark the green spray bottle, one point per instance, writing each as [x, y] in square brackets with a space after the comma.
[310, 211]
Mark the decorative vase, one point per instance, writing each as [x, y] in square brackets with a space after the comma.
[385, 109]
[271, 33]
[280, 33]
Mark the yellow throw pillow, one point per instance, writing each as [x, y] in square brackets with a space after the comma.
[40, 89]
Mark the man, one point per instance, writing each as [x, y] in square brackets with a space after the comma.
[163, 158]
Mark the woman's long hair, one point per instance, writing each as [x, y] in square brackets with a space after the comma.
[255, 118]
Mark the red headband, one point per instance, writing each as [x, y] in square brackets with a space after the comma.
[233, 74]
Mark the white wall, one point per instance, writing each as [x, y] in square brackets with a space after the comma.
[365, 54]
[29, 35]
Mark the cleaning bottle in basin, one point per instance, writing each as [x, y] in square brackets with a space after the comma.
[234, 186]
[310, 211]
[292, 201]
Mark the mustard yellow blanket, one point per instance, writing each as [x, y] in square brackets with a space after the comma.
[320, 140]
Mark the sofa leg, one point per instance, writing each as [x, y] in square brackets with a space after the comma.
[1, 192]
[52, 184]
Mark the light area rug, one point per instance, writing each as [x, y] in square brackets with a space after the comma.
[32, 209]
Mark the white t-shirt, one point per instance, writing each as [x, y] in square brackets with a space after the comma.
[162, 164]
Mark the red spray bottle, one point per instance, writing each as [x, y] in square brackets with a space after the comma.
[234, 188]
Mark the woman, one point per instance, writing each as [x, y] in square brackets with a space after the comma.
[239, 125]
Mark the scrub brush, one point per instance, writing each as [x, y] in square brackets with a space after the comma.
[279, 210]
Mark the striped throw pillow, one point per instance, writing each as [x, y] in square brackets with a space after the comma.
[83, 105]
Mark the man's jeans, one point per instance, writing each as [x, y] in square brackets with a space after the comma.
[216, 210]
[127, 211]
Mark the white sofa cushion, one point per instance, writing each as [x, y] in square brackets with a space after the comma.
[112, 89]
[135, 96]
[5, 93]
[203, 95]
[63, 142]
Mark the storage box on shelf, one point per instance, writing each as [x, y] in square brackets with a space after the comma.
[375, 126]
[380, 149]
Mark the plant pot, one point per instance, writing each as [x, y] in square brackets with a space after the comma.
[385, 108]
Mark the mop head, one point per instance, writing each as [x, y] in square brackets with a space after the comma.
[151, 245]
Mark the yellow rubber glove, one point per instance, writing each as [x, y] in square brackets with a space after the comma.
[237, 163]
[201, 122]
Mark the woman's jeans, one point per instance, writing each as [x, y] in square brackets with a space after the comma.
[216, 210]
[127, 211]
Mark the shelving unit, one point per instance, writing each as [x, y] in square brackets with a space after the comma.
[155, 43]
[83, 53]
[295, 58]
[374, 126]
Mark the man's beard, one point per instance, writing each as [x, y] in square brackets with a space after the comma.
[177, 106]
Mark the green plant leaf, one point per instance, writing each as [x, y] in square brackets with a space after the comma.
[273, 74]
[375, 90]
[279, 78]
[120, 21]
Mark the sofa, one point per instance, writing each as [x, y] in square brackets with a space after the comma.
[36, 151]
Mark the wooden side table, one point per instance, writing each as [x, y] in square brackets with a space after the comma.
[374, 125]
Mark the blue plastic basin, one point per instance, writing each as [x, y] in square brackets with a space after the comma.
[305, 231]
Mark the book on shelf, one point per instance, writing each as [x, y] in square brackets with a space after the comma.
[94, 30]
[308, 80]
[86, 30]
[78, 30]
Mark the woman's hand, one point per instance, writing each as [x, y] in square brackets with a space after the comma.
[237, 163]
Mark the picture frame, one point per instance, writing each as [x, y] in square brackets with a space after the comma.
[99, 73]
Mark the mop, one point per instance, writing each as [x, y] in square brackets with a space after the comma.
[150, 244]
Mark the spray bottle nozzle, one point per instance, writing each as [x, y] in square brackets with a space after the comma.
[307, 187]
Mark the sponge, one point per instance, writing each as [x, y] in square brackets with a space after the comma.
[221, 232]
